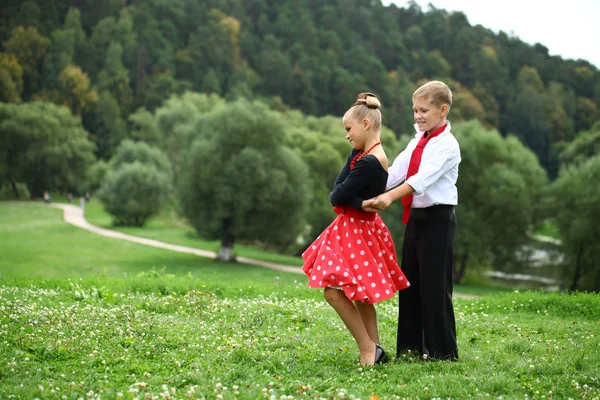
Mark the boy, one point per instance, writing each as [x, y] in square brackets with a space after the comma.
[428, 168]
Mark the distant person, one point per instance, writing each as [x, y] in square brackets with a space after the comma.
[70, 198]
[354, 259]
[427, 170]
[46, 197]
[87, 196]
[82, 202]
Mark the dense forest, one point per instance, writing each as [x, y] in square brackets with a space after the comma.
[106, 59]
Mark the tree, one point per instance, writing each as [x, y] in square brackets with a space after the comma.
[11, 79]
[114, 77]
[142, 126]
[499, 185]
[585, 146]
[29, 47]
[160, 87]
[73, 24]
[238, 182]
[59, 55]
[587, 113]
[76, 92]
[43, 146]
[211, 83]
[176, 122]
[575, 206]
[107, 126]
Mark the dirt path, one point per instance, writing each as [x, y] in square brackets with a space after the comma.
[74, 216]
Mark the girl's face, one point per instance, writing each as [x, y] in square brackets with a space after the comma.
[427, 115]
[355, 132]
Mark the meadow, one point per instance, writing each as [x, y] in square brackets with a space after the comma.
[83, 316]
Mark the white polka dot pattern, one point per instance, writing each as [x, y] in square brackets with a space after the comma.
[361, 259]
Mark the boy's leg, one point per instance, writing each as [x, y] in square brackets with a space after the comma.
[351, 318]
[410, 329]
[437, 264]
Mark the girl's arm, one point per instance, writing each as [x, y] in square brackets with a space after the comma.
[345, 192]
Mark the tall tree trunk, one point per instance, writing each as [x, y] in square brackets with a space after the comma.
[13, 184]
[462, 267]
[226, 251]
[577, 275]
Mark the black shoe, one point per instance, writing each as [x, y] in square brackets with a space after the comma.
[380, 356]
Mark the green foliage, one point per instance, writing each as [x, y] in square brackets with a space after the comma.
[176, 121]
[11, 79]
[137, 184]
[574, 204]
[43, 146]
[19, 191]
[60, 54]
[314, 57]
[142, 126]
[95, 175]
[585, 145]
[29, 46]
[76, 92]
[114, 77]
[130, 152]
[238, 181]
[500, 184]
[107, 125]
[133, 193]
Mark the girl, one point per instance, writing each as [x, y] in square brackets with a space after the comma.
[354, 259]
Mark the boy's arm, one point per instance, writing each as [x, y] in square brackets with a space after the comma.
[437, 164]
[397, 172]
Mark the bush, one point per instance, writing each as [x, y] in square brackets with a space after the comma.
[134, 193]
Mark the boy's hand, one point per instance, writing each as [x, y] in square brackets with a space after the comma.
[382, 202]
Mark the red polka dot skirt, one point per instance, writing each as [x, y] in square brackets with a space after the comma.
[355, 253]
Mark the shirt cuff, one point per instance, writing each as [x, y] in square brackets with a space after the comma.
[417, 185]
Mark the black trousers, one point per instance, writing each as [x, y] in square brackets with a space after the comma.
[426, 317]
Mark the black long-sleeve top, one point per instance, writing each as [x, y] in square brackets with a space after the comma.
[366, 180]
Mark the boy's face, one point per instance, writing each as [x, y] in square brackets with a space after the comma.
[427, 115]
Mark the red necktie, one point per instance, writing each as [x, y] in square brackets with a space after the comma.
[413, 167]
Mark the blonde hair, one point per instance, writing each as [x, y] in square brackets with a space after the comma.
[366, 106]
[435, 92]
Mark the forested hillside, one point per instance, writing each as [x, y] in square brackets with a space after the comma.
[105, 59]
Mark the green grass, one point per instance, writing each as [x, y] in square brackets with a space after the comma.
[169, 228]
[83, 316]
[35, 242]
[134, 337]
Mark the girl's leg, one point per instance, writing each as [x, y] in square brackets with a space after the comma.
[351, 318]
[368, 314]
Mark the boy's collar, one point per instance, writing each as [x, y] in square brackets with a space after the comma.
[421, 133]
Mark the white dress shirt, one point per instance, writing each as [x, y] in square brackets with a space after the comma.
[435, 182]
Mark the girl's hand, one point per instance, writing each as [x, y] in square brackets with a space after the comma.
[367, 205]
[382, 202]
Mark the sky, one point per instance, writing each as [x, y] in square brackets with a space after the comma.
[570, 29]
